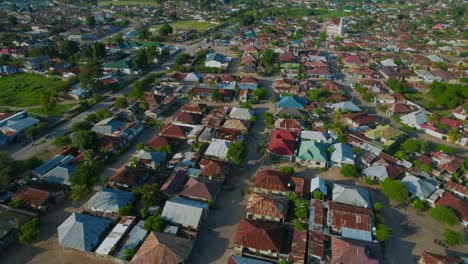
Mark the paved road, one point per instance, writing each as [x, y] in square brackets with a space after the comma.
[215, 240]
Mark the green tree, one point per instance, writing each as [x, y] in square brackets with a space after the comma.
[143, 33]
[288, 170]
[29, 231]
[137, 90]
[444, 214]
[453, 238]
[126, 210]
[419, 205]
[121, 102]
[69, 48]
[17, 203]
[90, 70]
[454, 135]
[8, 169]
[141, 60]
[90, 21]
[149, 194]
[260, 93]
[395, 190]
[216, 96]
[237, 151]
[165, 30]
[317, 195]
[349, 170]
[269, 119]
[48, 102]
[85, 139]
[377, 206]
[155, 223]
[129, 253]
[182, 59]
[383, 232]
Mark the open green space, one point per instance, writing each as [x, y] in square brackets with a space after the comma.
[128, 2]
[25, 89]
[188, 24]
[58, 110]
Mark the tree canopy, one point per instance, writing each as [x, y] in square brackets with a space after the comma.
[165, 30]
[444, 214]
[237, 152]
[85, 140]
[448, 95]
[29, 231]
[453, 238]
[395, 190]
[349, 170]
[155, 223]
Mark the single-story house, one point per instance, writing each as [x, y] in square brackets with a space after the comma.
[184, 212]
[109, 200]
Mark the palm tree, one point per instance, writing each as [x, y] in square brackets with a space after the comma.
[454, 135]
[339, 114]
[434, 118]
[339, 128]
[79, 192]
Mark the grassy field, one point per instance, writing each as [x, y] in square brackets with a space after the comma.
[128, 2]
[189, 24]
[24, 89]
[59, 110]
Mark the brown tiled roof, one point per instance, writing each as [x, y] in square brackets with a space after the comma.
[360, 118]
[31, 196]
[260, 235]
[159, 141]
[187, 118]
[199, 189]
[174, 184]
[129, 176]
[162, 248]
[267, 205]
[350, 216]
[213, 169]
[317, 243]
[173, 131]
[193, 108]
[431, 258]
[299, 246]
[272, 180]
[354, 252]
[110, 143]
[450, 163]
[227, 133]
[458, 205]
[456, 187]
[237, 124]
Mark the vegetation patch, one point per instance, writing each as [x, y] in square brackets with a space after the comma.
[25, 89]
[196, 25]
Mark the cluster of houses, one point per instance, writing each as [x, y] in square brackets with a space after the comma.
[187, 159]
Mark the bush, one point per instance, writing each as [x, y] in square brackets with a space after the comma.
[317, 195]
[444, 214]
[453, 238]
[446, 149]
[237, 152]
[155, 224]
[269, 119]
[62, 141]
[31, 163]
[126, 210]
[395, 190]
[383, 232]
[29, 231]
[419, 205]
[349, 170]
[377, 206]
[17, 203]
[288, 170]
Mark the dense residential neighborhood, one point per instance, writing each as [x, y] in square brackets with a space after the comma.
[235, 132]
